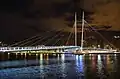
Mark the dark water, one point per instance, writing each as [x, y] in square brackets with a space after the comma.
[59, 66]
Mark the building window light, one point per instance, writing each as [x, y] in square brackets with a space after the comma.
[116, 37]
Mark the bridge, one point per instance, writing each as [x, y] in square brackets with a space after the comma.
[48, 38]
[37, 48]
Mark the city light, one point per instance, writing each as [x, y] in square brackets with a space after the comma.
[116, 37]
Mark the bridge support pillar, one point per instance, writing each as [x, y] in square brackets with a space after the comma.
[59, 50]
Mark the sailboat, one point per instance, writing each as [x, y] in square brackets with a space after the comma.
[82, 50]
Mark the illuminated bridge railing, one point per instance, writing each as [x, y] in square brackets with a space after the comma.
[7, 49]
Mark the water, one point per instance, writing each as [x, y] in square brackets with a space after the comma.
[59, 66]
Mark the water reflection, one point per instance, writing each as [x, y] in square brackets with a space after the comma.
[93, 60]
[41, 66]
[57, 66]
[115, 62]
[80, 65]
[41, 59]
[16, 54]
[63, 66]
[63, 57]
[8, 55]
[58, 58]
[99, 66]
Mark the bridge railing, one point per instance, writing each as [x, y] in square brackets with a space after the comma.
[35, 48]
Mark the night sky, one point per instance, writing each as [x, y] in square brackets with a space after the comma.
[20, 19]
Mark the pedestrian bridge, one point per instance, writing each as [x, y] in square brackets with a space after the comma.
[36, 48]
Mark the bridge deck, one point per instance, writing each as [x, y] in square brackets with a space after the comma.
[33, 48]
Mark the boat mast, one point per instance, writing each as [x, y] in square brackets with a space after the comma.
[82, 31]
[75, 29]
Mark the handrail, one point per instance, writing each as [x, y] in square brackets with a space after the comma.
[7, 49]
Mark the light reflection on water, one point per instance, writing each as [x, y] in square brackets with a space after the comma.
[100, 66]
[80, 63]
[57, 66]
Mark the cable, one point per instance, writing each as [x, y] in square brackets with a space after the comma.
[40, 40]
[52, 38]
[99, 34]
[69, 35]
[24, 40]
[30, 39]
[57, 41]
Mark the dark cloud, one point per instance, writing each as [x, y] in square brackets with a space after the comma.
[108, 15]
[24, 18]
[106, 12]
